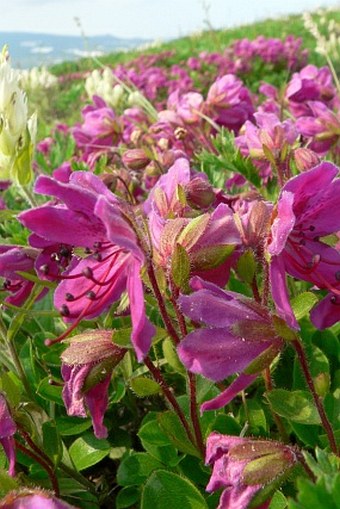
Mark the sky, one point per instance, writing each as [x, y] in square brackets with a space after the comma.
[150, 19]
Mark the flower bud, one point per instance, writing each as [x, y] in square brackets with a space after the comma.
[305, 159]
[135, 159]
[199, 193]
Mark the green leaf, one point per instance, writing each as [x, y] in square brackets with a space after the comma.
[303, 303]
[157, 443]
[136, 468]
[143, 386]
[278, 501]
[88, 450]
[12, 387]
[7, 483]
[297, 406]
[180, 266]
[168, 490]
[210, 257]
[246, 266]
[68, 426]
[127, 497]
[317, 496]
[51, 441]
[171, 425]
[170, 355]
[50, 392]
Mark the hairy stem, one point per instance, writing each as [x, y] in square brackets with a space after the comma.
[165, 317]
[43, 463]
[156, 373]
[191, 377]
[279, 424]
[319, 405]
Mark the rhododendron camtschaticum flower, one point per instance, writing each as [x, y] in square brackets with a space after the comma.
[33, 499]
[245, 468]
[308, 209]
[90, 217]
[239, 337]
[7, 430]
[87, 367]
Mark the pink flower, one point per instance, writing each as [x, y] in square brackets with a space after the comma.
[244, 468]
[89, 216]
[87, 367]
[237, 333]
[308, 209]
[33, 499]
[7, 430]
[230, 102]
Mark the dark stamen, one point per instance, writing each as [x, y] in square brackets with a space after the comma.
[69, 297]
[87, 272]
[91, 295]
[64, 310]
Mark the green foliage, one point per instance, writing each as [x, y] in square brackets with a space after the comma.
[166, 489]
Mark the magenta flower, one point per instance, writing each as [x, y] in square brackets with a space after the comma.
[188, 106]
[310, 84]
[230, 102]
[7, 430]
[322, 128]
[100, 131]
[90, 217]
[90, 355]
[14, 259]
[238, 331]
[244, 467]
[33, 499]
[308, 209]
[169, 226]
[268, 135]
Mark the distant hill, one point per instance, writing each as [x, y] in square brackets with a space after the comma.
[31, 49]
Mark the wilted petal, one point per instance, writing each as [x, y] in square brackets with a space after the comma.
[97, 400]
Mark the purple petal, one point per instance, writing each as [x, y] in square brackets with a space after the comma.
[283, 223]
[280, 291]
[223, 399]
[215, 308]
[74, 377]
[9, 447]
[305, 185]
[118, 230]
[111, 273]
[143, 330]
[217, 354]
[62, 225]
[326, 313]
[97, 400]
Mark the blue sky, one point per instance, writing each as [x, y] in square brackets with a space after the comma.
[155, 19]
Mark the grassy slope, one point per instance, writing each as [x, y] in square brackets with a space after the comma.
[67, 104]
[212, 41]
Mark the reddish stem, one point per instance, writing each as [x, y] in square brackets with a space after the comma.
[319, 405]
[156, 373]
[165, 317]
[191, 377]
[43, 463]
